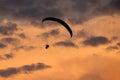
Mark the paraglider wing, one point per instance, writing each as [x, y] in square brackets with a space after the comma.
[61, 22]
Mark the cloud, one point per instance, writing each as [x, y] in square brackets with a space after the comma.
[8, 72]
[2, 45]
[116, 4]
[9, 40]
[53, 32]
[118, 43]
[111, 8]
[38, 66]
[6, 56]
[29, 9]
[27, 48]
[91, 8]
[8, 29]
[22, 35]
[24, 69]
[114, 38]
[82, 34]
[90, 76]
[84, 6]
[76, 11]
[66, 44]
[114, 47]
[96, 41]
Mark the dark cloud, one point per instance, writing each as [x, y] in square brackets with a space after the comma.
[17, 3]
[6, 56]
[24, 69]
[53, 32]
[91, 77]
[88, 9]
[38, 66]
[84, 6]
[28, 68]
[82, 34]
[113, 7]
[1, 58]
[118, 43]
[76, 11]
[112, 48]
[8, 29]
[29, 9]
[22, 35]
[8, 72]
[116, 4]
[66, 44]
[2, 45]
[9, 40]
[27, 48]
[96, 41]
[114, 38]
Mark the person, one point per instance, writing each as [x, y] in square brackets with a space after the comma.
[47, 46]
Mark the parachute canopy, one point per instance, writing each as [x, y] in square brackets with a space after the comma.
[59, 21]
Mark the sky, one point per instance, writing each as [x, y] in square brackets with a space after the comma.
[92, 53]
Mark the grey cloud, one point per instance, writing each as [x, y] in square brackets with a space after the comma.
[6, 56]
[112, 48]
[2, 45]
[85, 10]
[29, 9]
[84, 6]
[8, 29]
[91, 76]
[8, 72]
[24, 47]
[53, 32]
[82, 34]
[114, 38]
[112, 7]
[22, 35]
[9, 56]
[88, 9]
[76, 11]
[118, 43]
[24, 69]
[9, 40]
[17, 3]
[66, 44]
[42, 66]
[116, 4]
[1, 58]
[38, 66]
[96, 41]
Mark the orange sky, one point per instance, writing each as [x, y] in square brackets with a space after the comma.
[92, 53]
[68, 63]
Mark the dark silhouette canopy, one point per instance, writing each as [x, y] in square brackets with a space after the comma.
[59, 21]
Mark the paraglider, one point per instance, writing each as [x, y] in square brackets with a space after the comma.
[47, 46]
[59, 21]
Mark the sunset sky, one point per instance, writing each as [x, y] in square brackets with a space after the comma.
[92, 53]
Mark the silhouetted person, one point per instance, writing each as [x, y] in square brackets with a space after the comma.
[47, 46]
